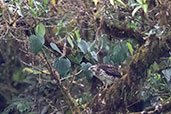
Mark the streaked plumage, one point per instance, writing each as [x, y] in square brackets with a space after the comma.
[106, 73]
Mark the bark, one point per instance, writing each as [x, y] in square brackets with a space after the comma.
[122, 32]
[124, 92]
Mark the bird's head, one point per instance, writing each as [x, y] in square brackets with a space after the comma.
[105, 69]
[106, 73]
[94, 69]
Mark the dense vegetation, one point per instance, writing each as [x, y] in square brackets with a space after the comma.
[47, 46]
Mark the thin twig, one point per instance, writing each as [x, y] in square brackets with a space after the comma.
[65, 91]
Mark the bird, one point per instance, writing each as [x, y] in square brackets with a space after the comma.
[107, 73]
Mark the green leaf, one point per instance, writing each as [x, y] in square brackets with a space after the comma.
[31, 3]
[135, 10]
[94, 55]
[145, 7]
[36, 43]
[76, 59]
[154, 67]
[73, 59]
[70, 41]
[169, 59]
[132, 25]
[58, 30]
[120, 1]
[119, 53]
[130, 48]
[78, 36]
[59, 27]
[134, 4]
[79, 56]
[18, 75]
[23, 106]
[83, 46]
[29, 70]
[40, 30]
[144, 1]
[55, 47]
[62, 65]
[87, 73]
[45, 2]
[158, 76]
[34, 12]
[62, 32]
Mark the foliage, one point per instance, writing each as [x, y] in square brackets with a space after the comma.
[36, 43]
[21, 105]
[140, 4]
[62, 65]
[58, 38]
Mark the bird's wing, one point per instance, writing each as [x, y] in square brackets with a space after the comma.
[110, 70]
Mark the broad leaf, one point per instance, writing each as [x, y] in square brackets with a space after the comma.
[154, 67]
[36, 43]
[40, 30]
[45, 2]
[118, 53]
[83, 46]
[62, 65]
[94, 55]
[18, 75]
[55, 47]
[87, 73]
[76, 59]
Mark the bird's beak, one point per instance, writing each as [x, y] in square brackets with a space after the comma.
[90, 68]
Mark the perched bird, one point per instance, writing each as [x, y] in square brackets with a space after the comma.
[106, 73]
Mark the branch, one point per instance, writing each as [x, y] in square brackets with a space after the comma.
[124, 92]
[65, 91]
[123, 33]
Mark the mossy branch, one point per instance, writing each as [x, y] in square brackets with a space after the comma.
[124, 92]
[65, 91]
